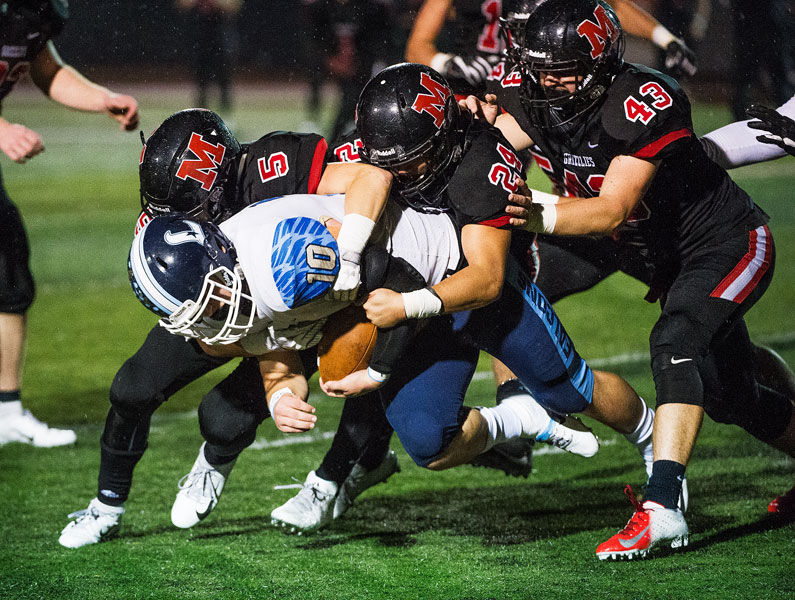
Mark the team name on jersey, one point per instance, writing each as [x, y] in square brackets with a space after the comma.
[14, 51]
[578, 161]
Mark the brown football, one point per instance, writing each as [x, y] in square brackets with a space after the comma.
[347, 344]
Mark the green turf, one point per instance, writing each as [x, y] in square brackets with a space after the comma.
[464, 533]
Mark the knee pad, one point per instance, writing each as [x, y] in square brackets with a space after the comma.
[132, 393]
[124, 436]
[229, 428]
[676, 380]
[766, 416]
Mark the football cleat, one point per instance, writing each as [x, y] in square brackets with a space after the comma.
[783, 504]
[309, 510]
[199, 491]
[514, 457]
[571, 435]
[651, 526]
[18, 425]
[97, 523]
[361, 479]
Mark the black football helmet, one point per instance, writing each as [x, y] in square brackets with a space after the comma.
[177, 266]
[188, 165]
[47, 16]
[514, 15]
[582, 37]
[410, 124]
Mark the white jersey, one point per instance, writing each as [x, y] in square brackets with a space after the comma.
[429, 242]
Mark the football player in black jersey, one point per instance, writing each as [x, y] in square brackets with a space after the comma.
[617, 139]
[26, 31]
[193, 163]
[478, 43]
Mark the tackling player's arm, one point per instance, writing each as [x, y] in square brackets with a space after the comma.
[66, 86]
[625, 184]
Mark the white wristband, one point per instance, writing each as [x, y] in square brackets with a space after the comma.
[661, 37]
[439, 60]
[354, 233]
[376, 376]
[421, 304]
[276, 396]
[549, 217]
[543, 197]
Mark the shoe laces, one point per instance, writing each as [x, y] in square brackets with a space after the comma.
[197, 481]
[639, 519]
[560, 437]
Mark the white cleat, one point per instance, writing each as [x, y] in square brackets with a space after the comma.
[18, 425]
[199, 491]
[572, 435]
[97, 523]
[309, 510]
[361, 479]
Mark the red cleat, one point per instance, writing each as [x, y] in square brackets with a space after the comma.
[783, 504]
[651, 526]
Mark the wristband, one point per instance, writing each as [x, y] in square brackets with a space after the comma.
[421, 304]
[353, 235]
[276, 396]
[439, 60]
[543, 197]
[376, 376]
[661, 37]
[549, 217]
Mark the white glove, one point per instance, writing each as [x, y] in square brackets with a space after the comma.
[298, 336]
[472, 69]
[348, 279]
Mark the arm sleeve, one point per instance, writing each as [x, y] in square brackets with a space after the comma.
[380, 269]
[735, 145]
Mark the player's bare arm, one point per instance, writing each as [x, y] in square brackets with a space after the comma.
[626, 181]
[286, 389]
[66, 86]
[421, 45]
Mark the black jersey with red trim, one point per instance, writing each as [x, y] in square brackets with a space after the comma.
[478, 190]
[21, 41]
[691, 200]
[278, 164]
[475, 30]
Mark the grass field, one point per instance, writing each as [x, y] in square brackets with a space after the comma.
[464, 533]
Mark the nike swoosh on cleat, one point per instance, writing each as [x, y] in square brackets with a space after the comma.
[676, 361]
[633, 540]
[201, 515]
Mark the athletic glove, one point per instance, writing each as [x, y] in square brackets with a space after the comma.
[472, 69]
[679, 59]
[778, 129]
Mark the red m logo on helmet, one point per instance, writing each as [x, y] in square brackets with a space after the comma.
[434, 102]
[204, 168]
[598, 33]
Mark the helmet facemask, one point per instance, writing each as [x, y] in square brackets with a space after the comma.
[222, 314]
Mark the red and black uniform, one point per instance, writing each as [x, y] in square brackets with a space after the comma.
[696, 237]
[22, 37]
[277, 164]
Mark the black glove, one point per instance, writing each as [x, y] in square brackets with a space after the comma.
[472, 69]
[679, 59]
[779, 130]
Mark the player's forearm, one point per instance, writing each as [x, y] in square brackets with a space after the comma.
[71, 89]
[421, 45]
[470, 288]
[283, 369]
[589, 216]
[367, 192]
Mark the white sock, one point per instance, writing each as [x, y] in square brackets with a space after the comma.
[642, 435]
[107, 508]
[532, 416]
[503, 424]
[11, 409]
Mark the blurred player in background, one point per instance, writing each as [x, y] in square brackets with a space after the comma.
[213, 38]
[26, 31]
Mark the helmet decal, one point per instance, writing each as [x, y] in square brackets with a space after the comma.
[204, 168]
[598, 33]
[304, 260]
[195, 234]
[435, 101]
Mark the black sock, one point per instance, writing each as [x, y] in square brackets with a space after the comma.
[115, 475]
[12, 396]
[665, 483]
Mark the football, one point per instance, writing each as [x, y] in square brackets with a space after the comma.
[347, 344]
